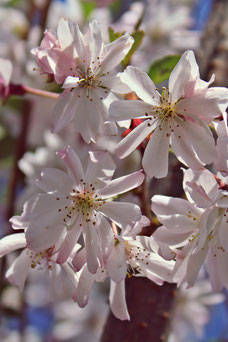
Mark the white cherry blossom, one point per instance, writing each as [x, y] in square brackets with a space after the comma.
[131, 256]
[84, 65]
[199, 226]
[177, 118]
[45, 260]
[78, 202]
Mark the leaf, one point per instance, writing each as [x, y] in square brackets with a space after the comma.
[138, 37]
[161, 69]
[87, 8]
[114, 35]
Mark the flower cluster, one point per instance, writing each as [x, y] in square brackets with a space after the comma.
[76, 222]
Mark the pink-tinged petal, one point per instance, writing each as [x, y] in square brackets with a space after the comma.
[71, 82]
[85, 284]
[54, 180]
[41, 237]
[221, 163]
[135, 229]
[181, 143]
[86, 123]
[200, 187]
[171, 238]
[12, 242]
[18, 271]
[213, 271]
[121, 185]
[100, 169]
[79, 259]
[205, 105]
[141, 84]
[133, 140]
[121, 213]
[109, 128]
[106, 237]
[113, 82]
[69, 242]
[131, 109]
[71, 274]
[43, 209]
[63, 114]
[117, 300]
[165, 205]
[17, 222]
[64, 34]
[222, 266]
[69, 156]
[179, 272]
[194, 265]
[185, 71]
[92, 247]
[115, 52]
[222, 232]
[155, 158]
[116, 264]
[79, 42]
[202, 141]
[95, 41]
[208, 223]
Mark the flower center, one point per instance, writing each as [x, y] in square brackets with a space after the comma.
[84, 202]
[42, 259]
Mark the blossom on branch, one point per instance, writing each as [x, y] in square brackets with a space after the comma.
[179, 117]
[79, 202]
[131, 256]
[199, 226]
[83, 64]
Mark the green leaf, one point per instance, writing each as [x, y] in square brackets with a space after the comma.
[138, 37]
[161, 69]
[114, 35]
[87, 8]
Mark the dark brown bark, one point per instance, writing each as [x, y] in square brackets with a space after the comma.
[149, 306]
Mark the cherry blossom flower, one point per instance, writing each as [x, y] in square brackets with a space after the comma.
[28, 259]
[78, 201]
[82, 63]
[199, 225]
[133, 256]
[178, 117]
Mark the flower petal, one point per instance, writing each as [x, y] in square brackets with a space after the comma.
[116, 264]
[185, 71]
[131, 109]
[100, 169]
[141, 84]
[12, 242]
[73, 164]
[122, 184]
[121, 213]
[118, 300]
[18, 271]
[54, 180]
[69, 242]
[155, 158]
[133, 139]
[115, 52]
[92, 248]
[85, 284]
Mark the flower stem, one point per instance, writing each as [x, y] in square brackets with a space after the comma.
[40, 92]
